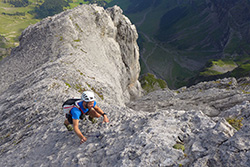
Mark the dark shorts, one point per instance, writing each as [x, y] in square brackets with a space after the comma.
[69, 117]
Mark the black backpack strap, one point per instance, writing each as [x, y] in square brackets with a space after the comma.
[70, 101]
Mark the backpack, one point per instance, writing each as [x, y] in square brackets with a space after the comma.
[71, 103]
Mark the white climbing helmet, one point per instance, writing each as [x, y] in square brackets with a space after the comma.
[88, 96]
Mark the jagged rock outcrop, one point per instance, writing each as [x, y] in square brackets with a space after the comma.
[209, 141]
[87, 47]
[144, 136]
[78, 49]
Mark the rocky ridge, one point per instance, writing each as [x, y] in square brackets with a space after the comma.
[71, 47]
[50, 66]
[208, 138]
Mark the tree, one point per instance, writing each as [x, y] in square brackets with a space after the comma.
[50, 8]
[17, 3]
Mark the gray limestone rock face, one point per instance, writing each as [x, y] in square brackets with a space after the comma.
[86, 48]
[208, 138]
[81, 49]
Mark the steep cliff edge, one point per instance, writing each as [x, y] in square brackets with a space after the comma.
[84, 48]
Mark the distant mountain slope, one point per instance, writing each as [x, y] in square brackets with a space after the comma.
[177, 38]
[207, 25]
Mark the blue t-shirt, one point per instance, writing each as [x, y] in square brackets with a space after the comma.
[76, 113]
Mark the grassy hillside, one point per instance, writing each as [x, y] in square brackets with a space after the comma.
[150, 83]
[14, 20]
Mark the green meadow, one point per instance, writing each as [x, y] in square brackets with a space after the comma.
[14, 20]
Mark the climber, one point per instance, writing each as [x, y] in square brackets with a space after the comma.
[76, 109]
